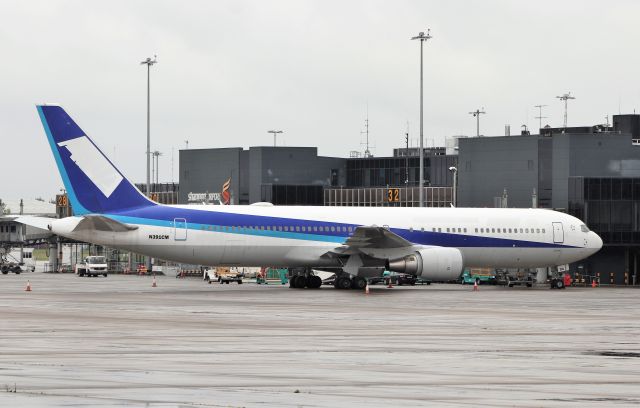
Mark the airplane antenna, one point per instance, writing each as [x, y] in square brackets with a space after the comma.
[540, 117]
[565, 98]
[476, 114]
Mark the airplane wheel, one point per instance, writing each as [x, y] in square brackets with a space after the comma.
[343, 282]
[314, 282]
[301, 281]
[358, 282]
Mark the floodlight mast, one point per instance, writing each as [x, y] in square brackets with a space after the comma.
[565, 98]
[275, 132]
[149, 62]
[476, 114]
[422, 37]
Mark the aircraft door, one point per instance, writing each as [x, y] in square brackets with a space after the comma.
[558, 233]
[179, 229]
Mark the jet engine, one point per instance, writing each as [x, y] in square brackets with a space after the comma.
[437, 264]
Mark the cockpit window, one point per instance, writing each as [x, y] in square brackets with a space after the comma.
[584, 228]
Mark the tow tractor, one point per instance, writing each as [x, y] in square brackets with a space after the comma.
[223, 275]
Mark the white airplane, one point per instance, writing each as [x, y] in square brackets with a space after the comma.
[432, 243]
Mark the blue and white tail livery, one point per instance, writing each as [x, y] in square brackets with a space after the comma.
[435, 243]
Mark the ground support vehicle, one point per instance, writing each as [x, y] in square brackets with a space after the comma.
[223, 275]
[481, 275]
[523, 277]
[92, 266]
[272, 276]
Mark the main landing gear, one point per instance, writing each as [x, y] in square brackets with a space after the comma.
[306, 279]
[346, 281]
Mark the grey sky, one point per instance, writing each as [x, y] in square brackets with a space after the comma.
[229, 71]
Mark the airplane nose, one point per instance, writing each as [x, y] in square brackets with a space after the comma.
[596, 241]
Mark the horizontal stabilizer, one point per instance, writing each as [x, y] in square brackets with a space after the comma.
[37, 222]
[102, 223]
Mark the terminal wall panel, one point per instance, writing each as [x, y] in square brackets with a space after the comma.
[489, 165]
[205, 171]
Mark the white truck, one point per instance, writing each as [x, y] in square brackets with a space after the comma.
[92, 266]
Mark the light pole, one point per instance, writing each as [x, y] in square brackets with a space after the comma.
[275, 132]
[454, 170]
[565, 98]
[422, 37]
[476, 114]
[149, 62]
[156, 172]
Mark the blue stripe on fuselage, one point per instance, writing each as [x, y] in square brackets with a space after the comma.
[201, 220]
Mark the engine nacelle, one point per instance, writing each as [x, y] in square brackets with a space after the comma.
[436, 264]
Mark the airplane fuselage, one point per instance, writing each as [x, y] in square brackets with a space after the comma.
[298, 236]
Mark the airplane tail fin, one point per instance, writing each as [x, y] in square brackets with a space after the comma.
[93, 183]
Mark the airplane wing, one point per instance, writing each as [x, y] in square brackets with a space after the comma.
[370, 237]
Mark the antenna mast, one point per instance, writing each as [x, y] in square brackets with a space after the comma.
[540, 117]
[367, 152]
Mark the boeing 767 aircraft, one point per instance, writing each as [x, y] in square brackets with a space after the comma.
[432, 243]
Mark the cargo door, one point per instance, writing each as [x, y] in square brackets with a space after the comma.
[179, 229]
[558, 233]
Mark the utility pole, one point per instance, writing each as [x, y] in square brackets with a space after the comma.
[540, 117]
[149, 62]
[275, 132]
[422, 37]
[565, 98]
[476, 114]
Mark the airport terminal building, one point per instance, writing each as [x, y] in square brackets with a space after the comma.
[299, 176]
[592, 173]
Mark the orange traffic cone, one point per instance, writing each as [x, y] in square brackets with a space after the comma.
[594, 284]
[28, 288]
[154, 284]
[366, 289]
[390, 286]
[475, 286]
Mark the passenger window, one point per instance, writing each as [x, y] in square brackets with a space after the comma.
[447, 229]
[493, 230]
[459, 229]
[476, 230]
[350, 229]
[509, 230]
[439, 229]
[465, 230]
[543, 230]
[537, 230]
[526, 230]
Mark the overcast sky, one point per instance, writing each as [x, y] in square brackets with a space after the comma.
[228, 71]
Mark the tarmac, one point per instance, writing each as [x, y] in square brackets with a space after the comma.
[118, 341]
